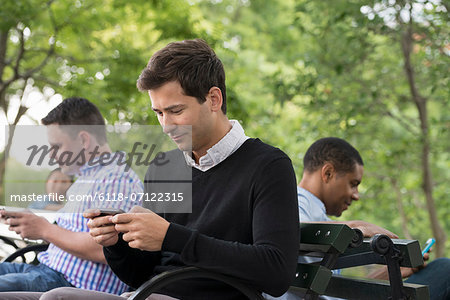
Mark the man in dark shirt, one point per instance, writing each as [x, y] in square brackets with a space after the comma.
[244, 216]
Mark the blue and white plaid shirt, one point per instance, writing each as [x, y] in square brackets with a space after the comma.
[98, 185]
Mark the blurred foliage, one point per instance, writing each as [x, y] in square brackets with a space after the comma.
[297, 71]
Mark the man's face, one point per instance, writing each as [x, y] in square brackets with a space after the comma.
[341, 190]
[68, 147]
[187, 122]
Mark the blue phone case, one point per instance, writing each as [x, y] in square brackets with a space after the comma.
[428, 245]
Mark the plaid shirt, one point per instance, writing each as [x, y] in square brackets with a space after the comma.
[97, 186]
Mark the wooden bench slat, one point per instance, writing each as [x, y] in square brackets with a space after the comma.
[367, 289]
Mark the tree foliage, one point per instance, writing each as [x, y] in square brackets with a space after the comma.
[297, 70]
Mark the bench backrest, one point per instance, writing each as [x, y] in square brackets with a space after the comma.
[342, 247]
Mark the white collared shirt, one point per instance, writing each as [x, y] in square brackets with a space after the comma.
[220, 151]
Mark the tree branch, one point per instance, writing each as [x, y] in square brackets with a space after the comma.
[400, 119]
[401, 211]
[403, 123]
[76, 60]
[3, 47]
[407, 44]
[3, 63]
[50, 52]
[421, 104]
[46, 80]
[20, 53]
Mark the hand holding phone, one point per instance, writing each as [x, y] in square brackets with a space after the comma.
[428, 245]
[102, 229]
[5, 215]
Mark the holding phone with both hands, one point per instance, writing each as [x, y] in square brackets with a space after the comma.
[428, 245]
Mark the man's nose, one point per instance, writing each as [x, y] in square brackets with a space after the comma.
[355, 195]
[167, 124]
[54, 153]
[167, 129]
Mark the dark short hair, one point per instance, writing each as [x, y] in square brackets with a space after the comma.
[78, 111]
[336, 151]
[190, 62]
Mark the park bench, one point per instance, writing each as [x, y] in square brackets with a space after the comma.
[332, 246]
[20, 253]
[339, 246]
[329, 242]
[13, 246]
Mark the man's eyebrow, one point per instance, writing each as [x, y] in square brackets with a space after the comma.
[171, 107]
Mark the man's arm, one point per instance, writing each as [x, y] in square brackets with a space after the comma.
[79, 244]
[31, 226]
[132, 266]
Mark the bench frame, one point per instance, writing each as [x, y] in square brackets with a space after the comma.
[339, 247]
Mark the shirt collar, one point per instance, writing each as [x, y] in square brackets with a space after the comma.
[312, 198]
[221, 150]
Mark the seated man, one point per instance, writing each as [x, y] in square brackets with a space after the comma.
[72, 258]
[244, 219]
[333, 169]
[57, 183]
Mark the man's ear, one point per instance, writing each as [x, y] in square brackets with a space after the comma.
[327, 172]
[215, 95]
[85, 139]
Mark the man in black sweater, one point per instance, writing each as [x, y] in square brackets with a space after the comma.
[244, 216]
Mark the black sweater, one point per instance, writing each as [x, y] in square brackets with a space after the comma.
[244, 223]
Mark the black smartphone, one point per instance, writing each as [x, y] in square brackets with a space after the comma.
[110, 211]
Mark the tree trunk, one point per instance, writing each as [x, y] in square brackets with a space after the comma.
[3, 44]
[3, 161]
[421, 104]
[4, 158]
[400, 209]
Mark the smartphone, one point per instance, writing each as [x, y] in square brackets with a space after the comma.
[110, 211]
[428, 245]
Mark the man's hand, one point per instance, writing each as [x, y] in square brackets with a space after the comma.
[26, 224]
[406, 272]
[101, 228]
[142, 228]
[369, 229]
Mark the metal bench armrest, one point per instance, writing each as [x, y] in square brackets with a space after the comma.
[20, 252]
[169, 277]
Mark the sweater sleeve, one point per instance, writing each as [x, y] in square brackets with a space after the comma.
[268, 263]
[132, 266]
